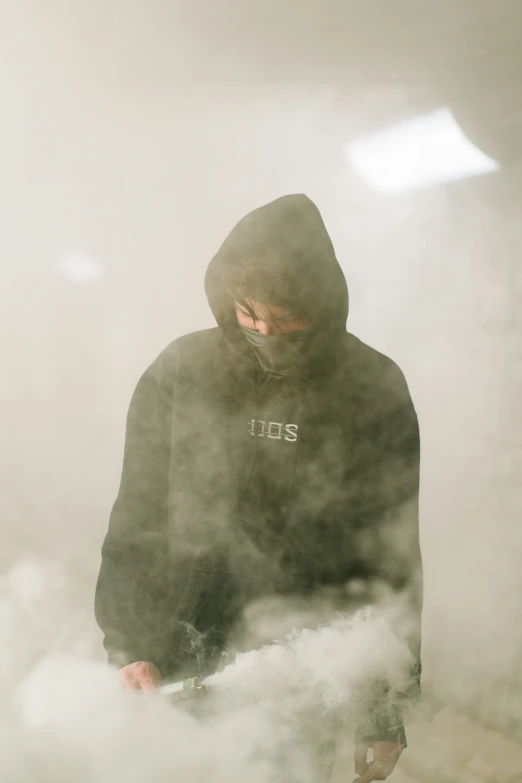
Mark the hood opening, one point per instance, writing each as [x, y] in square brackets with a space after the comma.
[281, 250]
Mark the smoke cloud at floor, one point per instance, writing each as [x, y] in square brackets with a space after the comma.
[66, 717]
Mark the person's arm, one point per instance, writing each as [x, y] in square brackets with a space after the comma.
[131, 593]
[396, 557]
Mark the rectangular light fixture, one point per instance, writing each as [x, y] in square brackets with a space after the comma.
[419, 153]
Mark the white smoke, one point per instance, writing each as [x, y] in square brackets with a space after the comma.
[66, 717]
[327, 663]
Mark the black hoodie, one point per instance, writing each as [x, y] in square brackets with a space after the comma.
[236, 485]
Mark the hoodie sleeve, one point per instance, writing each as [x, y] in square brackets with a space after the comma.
[131, 594]
[397, 562]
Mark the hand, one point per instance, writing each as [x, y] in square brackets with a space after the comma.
[385, 756]
[140, 676]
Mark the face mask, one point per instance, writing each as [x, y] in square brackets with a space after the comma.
[280, 354]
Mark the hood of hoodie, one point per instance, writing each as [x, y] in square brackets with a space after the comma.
[287, 234]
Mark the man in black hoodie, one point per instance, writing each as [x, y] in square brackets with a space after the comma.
[273, 455]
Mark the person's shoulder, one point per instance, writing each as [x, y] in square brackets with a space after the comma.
[373, 367]
[189, 349]
[202, 339]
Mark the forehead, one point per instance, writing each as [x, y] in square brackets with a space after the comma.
[264, 312]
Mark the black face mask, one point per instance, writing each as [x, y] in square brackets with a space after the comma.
[281, 354]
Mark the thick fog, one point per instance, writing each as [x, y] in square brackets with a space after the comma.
[132, 141]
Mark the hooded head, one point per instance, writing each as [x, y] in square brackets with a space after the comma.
[280, 255]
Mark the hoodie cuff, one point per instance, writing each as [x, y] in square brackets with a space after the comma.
[120, 659]
[381, 730]
[381, 718]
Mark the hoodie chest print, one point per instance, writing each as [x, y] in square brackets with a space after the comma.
[274, 430]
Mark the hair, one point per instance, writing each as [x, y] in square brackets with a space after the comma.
[255, 280]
